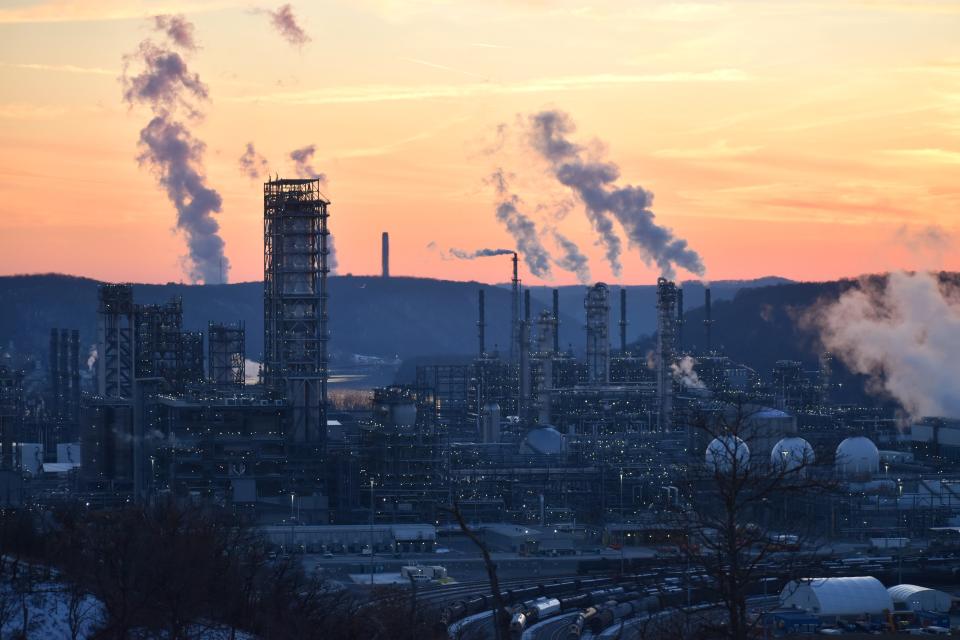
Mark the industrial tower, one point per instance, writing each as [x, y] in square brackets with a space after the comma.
[295, 335]
[666, 350]
[115, 341]
[597, 304]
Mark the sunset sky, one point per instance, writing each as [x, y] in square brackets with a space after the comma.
[809, 140]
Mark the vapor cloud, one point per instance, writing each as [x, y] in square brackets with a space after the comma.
[460, 254]
[593, 183]
[571, 258]
[903, 335]
[178, 29]
[285, 23]
[168, 148]
[521, 227]
[683, 372]
[303, 163]
[252, 163]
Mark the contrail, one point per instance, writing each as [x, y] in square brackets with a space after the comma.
[592, 182]
[167, 146]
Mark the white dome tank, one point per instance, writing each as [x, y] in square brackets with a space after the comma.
[722, 452]
[791, 453]
[857, 456]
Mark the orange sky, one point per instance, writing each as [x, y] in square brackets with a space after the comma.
[804, 139]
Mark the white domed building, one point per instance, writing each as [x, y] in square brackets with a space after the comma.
[791, 453]
[857, 456]
[725, 451]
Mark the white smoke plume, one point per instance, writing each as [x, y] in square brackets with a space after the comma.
[593, 183]
[286, 24]
[572, 259]
[303, 163]
[903, 333]
[332, 264]
[460, 254]
[522, 228]
[252, 163]
[169, 149]
[92, 356]
[683, 371]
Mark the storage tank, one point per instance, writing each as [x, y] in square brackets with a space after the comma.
[857, 456]
[723, 451]
[791, 453]
[545, 441]
[490, 423]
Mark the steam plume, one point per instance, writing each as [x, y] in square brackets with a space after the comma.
[92, 356]
[903, 334]
[303, 159]
[683, 372]
[252, 163]
[178, 29]
[287, 26]
[522, 228]
[572, 259]
[479, 253]
[170, 150]
[592, 182]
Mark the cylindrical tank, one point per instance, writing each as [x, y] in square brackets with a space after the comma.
[490, 423]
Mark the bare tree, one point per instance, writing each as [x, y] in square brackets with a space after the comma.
[736, 532]
[501, 617]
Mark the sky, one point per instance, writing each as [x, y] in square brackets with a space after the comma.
[810, 140]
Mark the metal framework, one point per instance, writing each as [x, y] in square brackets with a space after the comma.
[226, 353]
[295, 335]
[597, 304]
[158, 337]
[666, 349]
[115, 341]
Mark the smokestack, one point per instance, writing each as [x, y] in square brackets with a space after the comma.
[708, 319]
[556, 320]
[385, 256]
[623, 320]
[679, 320]
[514, 314]
[55, 369]
[481, 323]
[526, 306]
[74, 375]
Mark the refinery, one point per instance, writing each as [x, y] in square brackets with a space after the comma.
[612, 486]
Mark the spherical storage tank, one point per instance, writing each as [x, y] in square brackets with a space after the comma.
[857, 456]
[722, 452]
[544, 440]
[791, 453]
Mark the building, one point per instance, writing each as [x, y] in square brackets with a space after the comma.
[839, 597]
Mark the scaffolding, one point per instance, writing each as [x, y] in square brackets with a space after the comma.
[226, 353]
[295, 334]
[597, 304]
[115, 341]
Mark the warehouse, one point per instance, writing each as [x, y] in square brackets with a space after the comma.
[913, 598]
[841, 597]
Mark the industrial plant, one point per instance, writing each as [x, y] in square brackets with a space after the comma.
[595, 472]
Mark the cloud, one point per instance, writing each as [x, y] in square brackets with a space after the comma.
[104, 10]
[252, 163]
[62, 68]
[399, 93]
[178, 29]
[285, 23]
[716, 151]
[930, 155]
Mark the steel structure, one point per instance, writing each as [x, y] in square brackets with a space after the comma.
[64, 374]
[295, 335]
[623, 320]
[115, 341]
[666, 349]
[226, 353]
[708, 320]
[597, 305]
[158, 341]
[515, 314]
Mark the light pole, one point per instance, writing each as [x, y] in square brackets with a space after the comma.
[291, 507]
[623, 531]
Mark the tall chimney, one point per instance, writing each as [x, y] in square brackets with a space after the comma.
[481, 323]
[385, 255]
[679, 319]
[55, 390]
[514, 314]
[708, 319]
[556, 320]
[623, 320]
[74, 366]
